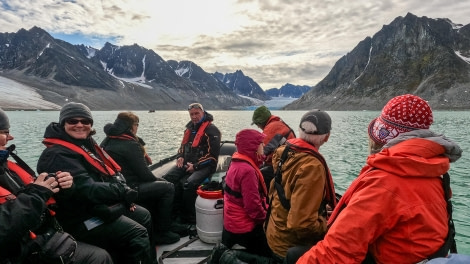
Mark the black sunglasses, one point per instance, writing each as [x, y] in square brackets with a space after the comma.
[73, 121]
[196, 106]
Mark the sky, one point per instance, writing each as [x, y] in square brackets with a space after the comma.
[272, 41]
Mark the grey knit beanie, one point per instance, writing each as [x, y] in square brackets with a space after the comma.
[71, 110]
[4, 121]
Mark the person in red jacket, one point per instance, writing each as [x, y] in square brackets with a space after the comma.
[395, 211]
[277, 133]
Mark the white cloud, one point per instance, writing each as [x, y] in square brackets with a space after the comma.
[272, 41]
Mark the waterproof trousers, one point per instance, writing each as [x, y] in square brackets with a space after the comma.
[125, 238]
[157, 197]
[186, 185]
[254, 241]
[86, 254]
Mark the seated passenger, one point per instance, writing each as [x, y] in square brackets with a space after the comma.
[396, 209]
[24, 207]
[277, 133]
[127, 149]
[197, 159]
[301, 194]
[100, 209]
[245, 204]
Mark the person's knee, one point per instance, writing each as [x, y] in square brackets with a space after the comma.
[140, 219]
[87, 253]
[169, 187]
[190, 186]
[174, 175]
[101, 256]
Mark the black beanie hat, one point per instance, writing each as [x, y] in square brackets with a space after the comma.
[4, 121]
[71, 110]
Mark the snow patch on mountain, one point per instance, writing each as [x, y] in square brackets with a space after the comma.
[18, 96]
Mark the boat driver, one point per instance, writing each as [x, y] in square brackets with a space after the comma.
[197, 160]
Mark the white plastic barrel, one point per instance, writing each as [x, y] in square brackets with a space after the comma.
[209, 216]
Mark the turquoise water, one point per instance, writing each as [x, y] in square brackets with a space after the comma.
[345, 152]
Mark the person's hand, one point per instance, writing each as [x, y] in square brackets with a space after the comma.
[132, 207]
[179, 162]
[49, 183]
[64, 179]
[189, 167]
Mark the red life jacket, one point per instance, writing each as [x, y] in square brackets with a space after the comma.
[26, 178]
[106, 165]
[199, 134]
[124, 137]
[129, 137]
[300, 145]
[239, 156]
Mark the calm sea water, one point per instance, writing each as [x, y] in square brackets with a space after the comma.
[345, 152]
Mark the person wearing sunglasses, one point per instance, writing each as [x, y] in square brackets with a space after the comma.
[25, 203]
[100, 209]
[197, 159]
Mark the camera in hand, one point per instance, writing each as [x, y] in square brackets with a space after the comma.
[50, 175]
[130, 195]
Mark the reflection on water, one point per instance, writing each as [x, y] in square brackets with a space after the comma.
[345, 152]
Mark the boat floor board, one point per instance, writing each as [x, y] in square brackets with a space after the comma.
[189, 250]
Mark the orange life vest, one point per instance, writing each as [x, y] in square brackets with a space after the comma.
[239, 156]
[26, 178]
[197, 138]
[300, 145]
[105, 165]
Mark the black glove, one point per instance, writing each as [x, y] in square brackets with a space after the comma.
[130, 196]
[127, 194]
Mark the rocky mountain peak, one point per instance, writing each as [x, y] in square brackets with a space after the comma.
[241, 84]
[415, 55]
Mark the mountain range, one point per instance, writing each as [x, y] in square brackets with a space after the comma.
[418, 55]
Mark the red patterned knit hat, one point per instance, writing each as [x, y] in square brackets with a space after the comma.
[401, 114]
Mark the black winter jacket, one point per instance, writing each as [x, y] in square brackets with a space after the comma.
[207, 153]
[90, 188]
[19, 216]
[129, 154]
